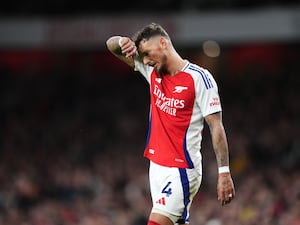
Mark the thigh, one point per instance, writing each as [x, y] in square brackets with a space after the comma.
[172, 190]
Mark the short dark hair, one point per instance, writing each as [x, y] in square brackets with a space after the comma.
[149, 31]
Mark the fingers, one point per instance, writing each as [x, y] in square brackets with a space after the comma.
[127, 46]
[225, 189]
[225, 198]
[228, 198]
[131, 51]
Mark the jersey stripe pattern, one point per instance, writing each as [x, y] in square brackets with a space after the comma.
[178, 105]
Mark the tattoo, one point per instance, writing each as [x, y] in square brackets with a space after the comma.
[219, 140]
[113, 45]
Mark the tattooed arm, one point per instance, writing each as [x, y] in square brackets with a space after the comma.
[123, 48]
[225, 187]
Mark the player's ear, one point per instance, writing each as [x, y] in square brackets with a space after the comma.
[163, 42]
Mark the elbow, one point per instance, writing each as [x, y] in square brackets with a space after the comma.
[109, 43]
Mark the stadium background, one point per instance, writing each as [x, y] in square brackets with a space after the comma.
[74, 119]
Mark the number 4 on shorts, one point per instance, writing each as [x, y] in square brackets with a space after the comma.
[167, 190]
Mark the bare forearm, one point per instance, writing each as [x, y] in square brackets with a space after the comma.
[219, 139]
[225, 187]
[220, 144]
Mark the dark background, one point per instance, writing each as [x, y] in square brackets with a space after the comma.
[71, 7]
[74, 123]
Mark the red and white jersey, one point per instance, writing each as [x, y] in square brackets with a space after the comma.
[179, 104]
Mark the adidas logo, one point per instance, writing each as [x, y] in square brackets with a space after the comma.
[161, 201]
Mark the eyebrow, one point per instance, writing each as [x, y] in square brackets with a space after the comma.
[142, 53]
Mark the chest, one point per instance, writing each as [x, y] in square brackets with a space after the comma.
[177, 91]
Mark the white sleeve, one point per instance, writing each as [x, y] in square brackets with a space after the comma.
[207, 96]
[145, 70]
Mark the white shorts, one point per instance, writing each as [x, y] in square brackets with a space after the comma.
[172, 191]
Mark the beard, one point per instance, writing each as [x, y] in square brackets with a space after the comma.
[162, 70]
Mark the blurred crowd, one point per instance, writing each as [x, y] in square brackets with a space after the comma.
[67, 8]
[72, 141]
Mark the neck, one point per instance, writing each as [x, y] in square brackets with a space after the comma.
[174, 63]
[176, 66]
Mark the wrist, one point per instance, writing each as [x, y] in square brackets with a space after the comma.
[223, 169]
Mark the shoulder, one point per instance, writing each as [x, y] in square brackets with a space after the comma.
[195, 70]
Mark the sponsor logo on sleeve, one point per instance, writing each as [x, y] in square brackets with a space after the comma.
[215, 101]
